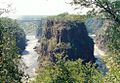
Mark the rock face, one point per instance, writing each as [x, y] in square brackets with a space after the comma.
[70, 38]
[39, 32]
[101, 38]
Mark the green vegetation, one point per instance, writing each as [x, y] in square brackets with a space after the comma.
[103, 8]
[9, 53]
[13, 27]
[110, 10]
[113, 60]
[68, 71]
[64, 71]
[68, 17]
[111, 42]
[113, 34]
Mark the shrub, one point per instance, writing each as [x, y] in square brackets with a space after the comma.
[68, 72]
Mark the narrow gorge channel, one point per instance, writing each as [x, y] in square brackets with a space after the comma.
[29, 56]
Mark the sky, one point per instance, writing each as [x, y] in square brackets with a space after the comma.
[40, 7]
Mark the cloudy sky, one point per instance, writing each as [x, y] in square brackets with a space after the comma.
[40, 7]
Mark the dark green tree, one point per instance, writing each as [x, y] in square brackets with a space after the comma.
[108, 8]
[9, 55]
[68, 72]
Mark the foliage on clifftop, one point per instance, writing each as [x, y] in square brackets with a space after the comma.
[69, 38]
[68, 17]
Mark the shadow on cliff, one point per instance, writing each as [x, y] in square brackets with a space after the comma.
[70, 37]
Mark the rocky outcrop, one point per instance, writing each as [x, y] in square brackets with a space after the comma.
[101, 38]
[21, 40]
[40, 28]
[94, 24]
[39, 32]
[70, 38]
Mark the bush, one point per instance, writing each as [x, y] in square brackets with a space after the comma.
[113, 60]
[9, 57]
[113, 35]
[68, 72]
[13, 27]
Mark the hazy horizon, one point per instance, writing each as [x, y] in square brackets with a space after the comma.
[39, 7]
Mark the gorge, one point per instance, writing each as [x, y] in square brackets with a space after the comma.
[67, 37]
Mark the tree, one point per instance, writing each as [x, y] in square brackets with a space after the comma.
[9, 71]
[9, 56]
[110, 8]
[7, 9]
[68, 72]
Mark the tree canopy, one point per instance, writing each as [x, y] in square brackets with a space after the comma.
[108, 8]
[9, 55]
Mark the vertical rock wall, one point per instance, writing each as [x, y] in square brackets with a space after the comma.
[67, 37]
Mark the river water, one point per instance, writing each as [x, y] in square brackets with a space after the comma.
[99, 55]
[30, 56]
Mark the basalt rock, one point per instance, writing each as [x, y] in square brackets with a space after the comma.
[39, 32]
[70, 38]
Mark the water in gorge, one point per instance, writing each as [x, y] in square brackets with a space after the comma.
[29, 56]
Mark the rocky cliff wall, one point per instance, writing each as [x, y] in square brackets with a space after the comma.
[67, 37]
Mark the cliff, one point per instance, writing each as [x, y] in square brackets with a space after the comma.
[102, 38]
[67, 37]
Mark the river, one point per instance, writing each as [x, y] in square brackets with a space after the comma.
[29, 56]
